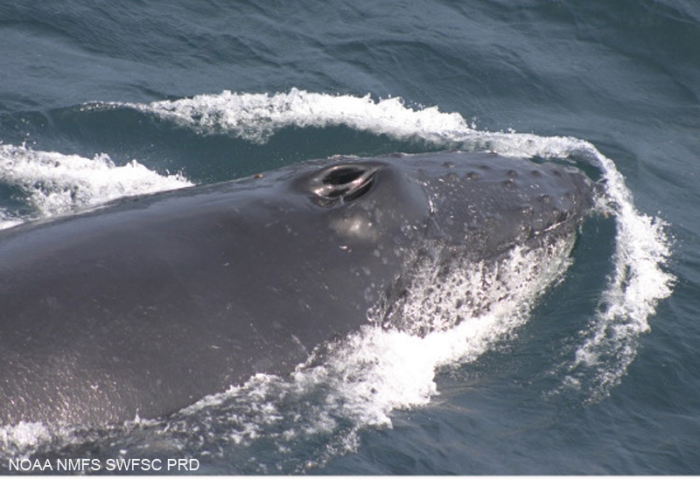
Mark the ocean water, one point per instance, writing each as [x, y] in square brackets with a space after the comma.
[590, 368]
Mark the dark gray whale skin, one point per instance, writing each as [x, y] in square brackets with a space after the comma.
[146, 305]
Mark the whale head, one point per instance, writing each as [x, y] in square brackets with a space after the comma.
[481, 201]
[441, 214]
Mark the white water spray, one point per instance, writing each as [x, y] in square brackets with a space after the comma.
[55, 183]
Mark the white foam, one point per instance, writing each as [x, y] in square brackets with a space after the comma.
[55, 183]
[634, 289]
[23, 437]
[256, 117]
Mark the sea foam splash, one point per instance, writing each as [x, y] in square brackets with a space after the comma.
[256, 117]
[375, 371]
[53, 183]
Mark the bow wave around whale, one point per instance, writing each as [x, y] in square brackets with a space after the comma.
[143, 306]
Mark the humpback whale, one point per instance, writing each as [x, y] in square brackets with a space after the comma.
[145, 305]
